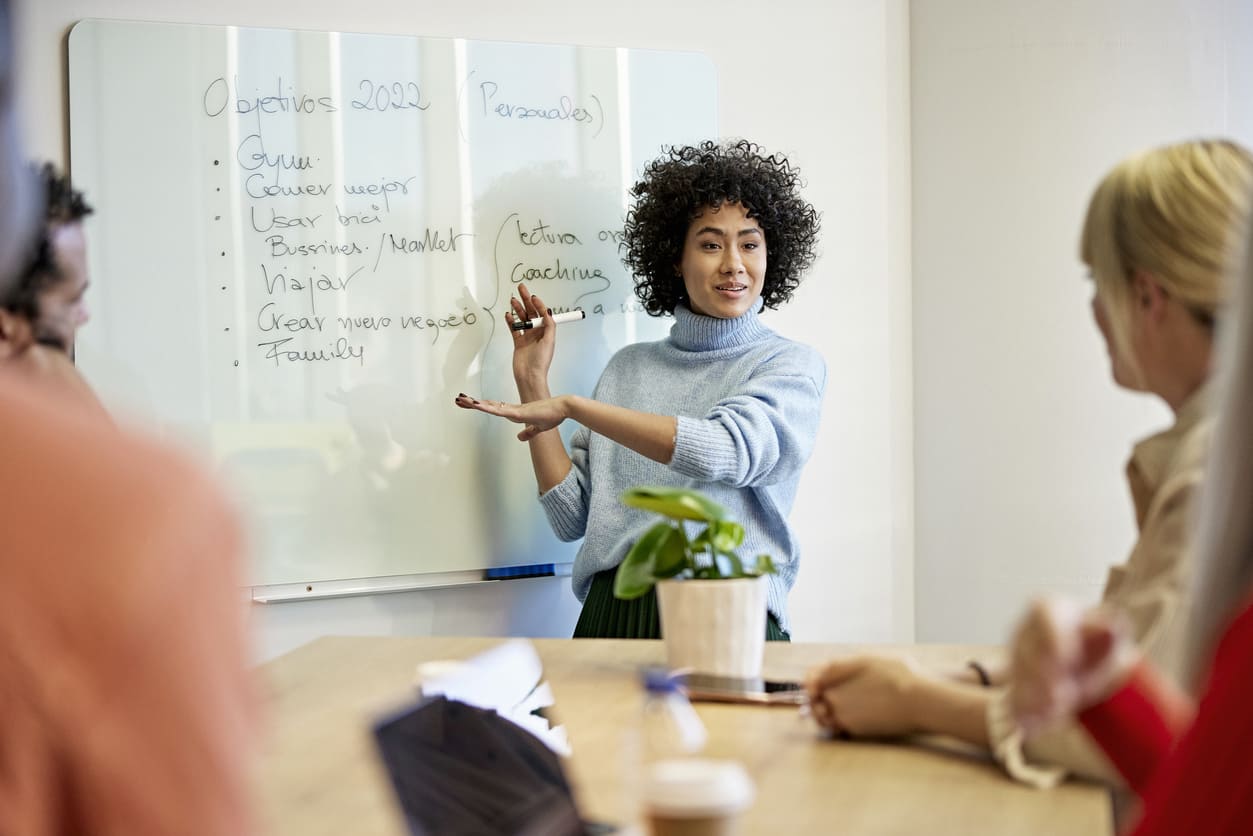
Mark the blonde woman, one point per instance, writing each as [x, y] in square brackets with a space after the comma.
[1156, 241]
[1189, 762]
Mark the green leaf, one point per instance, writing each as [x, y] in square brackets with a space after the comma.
[664, 551]
[676, 503]
[763, 566]
[725, 535]
[708, 572]
[671, 556]
[659, 553]
[719, 536]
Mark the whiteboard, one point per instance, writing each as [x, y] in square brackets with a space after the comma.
[303, 247]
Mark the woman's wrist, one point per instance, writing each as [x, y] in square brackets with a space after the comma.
[940, 706]
[917, 697]
[532, 387]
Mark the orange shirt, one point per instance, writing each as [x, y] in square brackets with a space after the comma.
[125, 702]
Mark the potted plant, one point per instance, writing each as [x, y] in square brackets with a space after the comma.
[712, 602]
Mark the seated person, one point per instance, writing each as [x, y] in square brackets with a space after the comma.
[125, 700]
[41, 311]
[1156, 242]
[1187, 760]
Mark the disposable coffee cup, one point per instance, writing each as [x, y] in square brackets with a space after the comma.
[696, 797]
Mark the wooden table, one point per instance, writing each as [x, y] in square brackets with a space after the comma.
[320, 774]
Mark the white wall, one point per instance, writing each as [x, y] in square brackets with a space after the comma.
[978, 394]
[1018, 108]
[825, 82]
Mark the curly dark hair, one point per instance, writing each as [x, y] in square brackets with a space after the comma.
[680, 184]
[62, 205]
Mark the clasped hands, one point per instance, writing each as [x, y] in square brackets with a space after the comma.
[1062, 660]
[866, 696]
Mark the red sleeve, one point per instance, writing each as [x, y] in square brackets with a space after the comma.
[1205, 785]
[1139, 725]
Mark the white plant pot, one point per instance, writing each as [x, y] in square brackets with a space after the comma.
[715, 627]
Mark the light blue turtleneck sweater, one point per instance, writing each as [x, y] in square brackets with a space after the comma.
[748, 403]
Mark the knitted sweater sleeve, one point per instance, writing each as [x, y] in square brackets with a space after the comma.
[566, 503]
[762, 434]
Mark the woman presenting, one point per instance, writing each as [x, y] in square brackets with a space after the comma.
[717, 234]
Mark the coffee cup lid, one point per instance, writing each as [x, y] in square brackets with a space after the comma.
[697, 787]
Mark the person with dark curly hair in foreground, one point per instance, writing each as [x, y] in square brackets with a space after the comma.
[45, 304]
[126, 698]
[717, 233]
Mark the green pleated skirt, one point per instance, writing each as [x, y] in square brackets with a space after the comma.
[607, 617]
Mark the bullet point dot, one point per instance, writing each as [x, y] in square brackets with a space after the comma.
[219, 188]
[215, 162]
[227, 328]
[223, 252]
[224, 287]
[217, 217]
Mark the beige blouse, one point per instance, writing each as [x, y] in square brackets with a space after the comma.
[1149, 589]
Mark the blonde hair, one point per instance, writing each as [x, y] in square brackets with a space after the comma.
[1224, 539]
[1169, 212]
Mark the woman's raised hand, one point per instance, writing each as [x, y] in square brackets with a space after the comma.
[532, 348]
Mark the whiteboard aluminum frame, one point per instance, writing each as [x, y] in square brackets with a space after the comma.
[278, 593]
